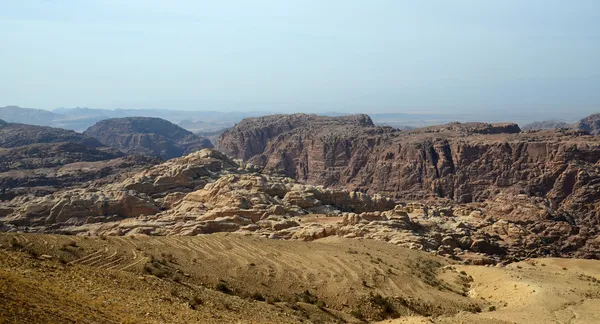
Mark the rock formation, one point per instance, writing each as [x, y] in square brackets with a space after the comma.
[206, 192]
[546, 124]
[463, 162]
[40, 160]
[466, 163]
[481, 193]
[590, 124]
[147, 136]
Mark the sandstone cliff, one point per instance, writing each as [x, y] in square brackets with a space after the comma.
[463, 162]
[206, 192]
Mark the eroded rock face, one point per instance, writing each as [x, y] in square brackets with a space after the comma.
[40, 160]
[546, 124]
[77, 207]
[207, 192]
[252, 135]
[182, 174]
[147, 136]
[463, 162]
[590, 124]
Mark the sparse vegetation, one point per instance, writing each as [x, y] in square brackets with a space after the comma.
[358, 314]
[222, 287]
[257, 296]
[190, 283]
[386, 307]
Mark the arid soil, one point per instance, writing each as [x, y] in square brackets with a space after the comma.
[227, 278]
[319, 220]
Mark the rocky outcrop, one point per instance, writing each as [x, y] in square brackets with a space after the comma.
[590, 124]
[206, 192]
[546, 124]
[40, 160]
[183, 174]
[251, 136]
[79, 206]
[147, 136]
[463, 162]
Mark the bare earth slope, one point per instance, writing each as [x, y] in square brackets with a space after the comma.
[232, 278]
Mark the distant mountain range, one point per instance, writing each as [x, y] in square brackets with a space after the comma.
[203, 122]
[79, 119]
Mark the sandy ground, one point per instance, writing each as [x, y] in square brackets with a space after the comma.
[232, 278]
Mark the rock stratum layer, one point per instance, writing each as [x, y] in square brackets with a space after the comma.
[478, 192]
[147, 136]
[206, 192]
[465, 163]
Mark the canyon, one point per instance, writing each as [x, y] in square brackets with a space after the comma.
[465, 196]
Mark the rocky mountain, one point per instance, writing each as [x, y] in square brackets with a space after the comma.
[31, 147]
[476, 192]
[590, 124]
[79, 119]
[546, 124]
[147, 136]
[206, 192]
[43, 159]
[251, 136]
[17, 114]
[466, 163]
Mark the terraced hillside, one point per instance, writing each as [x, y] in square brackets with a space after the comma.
[234, 278]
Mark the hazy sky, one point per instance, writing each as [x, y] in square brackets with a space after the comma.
[293, 55]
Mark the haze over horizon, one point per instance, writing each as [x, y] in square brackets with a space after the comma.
[494, 57]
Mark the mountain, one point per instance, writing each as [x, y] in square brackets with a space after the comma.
[31, 147]
[147, 136]
[16, 134]
[16, 114]
[251, 136]
[434, 207]
[470, 162]
[41, 160]
[192, 120]
[590, 124]
[546, 124]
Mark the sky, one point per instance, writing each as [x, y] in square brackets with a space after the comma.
[385, 56]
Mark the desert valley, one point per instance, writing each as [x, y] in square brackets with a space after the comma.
[300, 218]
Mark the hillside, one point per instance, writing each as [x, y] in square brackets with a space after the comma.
[232, 278]
[546, 124]
[39, 117]
[40, 160]
[147, 136]
[590, 124]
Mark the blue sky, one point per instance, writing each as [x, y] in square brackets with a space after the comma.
[273, 55]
